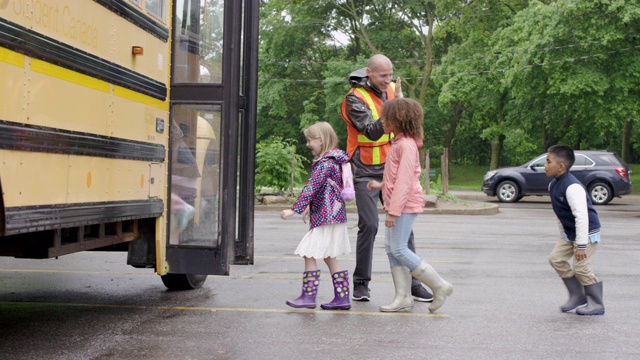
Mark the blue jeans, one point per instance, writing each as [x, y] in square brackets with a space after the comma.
[367, 203]
[396, 241]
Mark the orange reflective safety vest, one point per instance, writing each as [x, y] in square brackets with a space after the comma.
[372, 152]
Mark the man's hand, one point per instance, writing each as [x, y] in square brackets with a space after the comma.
[398, 92]
[374, 185]
[305, 215]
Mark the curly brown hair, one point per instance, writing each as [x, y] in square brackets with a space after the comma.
[405, 115]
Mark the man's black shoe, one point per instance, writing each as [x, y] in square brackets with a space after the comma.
[421, 294]
[360, 291]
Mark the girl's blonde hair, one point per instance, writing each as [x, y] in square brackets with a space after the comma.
[405, 115]
[323, 131]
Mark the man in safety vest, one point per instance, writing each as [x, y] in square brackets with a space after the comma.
[367, 145]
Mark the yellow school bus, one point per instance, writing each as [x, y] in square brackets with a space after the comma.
[129, 125]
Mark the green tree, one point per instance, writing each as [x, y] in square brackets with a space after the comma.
[400, 30]
[294, 49]
[471, 87]
[572, 67]
[500, 80]
[276, 163]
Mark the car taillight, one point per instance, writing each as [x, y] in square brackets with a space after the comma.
[622, 172]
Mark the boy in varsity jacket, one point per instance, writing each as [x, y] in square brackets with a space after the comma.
[580, 233]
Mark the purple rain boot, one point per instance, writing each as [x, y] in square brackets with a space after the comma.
[341, 291]
[310, 282]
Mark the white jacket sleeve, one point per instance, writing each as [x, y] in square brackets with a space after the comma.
[577, 199]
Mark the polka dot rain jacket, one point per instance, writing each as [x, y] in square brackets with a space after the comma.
[326, 205]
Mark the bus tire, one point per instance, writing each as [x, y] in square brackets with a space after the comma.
[183, 281]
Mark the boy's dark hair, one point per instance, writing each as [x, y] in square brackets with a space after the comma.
[564, 154]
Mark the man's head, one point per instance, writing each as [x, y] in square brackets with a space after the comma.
[560, 158]
[380, 72]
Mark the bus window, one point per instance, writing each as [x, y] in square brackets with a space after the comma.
[198, 34]
[195, 174]
[156, 9]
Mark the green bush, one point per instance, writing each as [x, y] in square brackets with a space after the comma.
[273, 164]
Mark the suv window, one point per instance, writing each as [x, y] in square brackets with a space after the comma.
[608, 159]
[582, 160]
[539, 162]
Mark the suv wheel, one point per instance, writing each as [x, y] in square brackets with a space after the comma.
[507, 191]
[600, 193]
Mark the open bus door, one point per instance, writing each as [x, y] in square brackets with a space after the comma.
[212, 139]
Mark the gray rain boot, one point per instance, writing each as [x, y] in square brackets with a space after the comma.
[595, 306]
[576, 294]
[440, 287]
[402, 283]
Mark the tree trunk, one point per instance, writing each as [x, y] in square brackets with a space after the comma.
[496, 151]
[496, 143]
[458, 109]
[626, 142]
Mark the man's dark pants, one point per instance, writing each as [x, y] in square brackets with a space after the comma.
[367, 204]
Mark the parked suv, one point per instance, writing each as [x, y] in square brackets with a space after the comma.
[603, 173]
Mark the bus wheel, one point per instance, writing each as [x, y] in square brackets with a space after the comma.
[183, 281]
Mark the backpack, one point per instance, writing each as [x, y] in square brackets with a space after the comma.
[347, 192]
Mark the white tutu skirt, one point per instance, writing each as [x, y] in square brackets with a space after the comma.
[325, 241]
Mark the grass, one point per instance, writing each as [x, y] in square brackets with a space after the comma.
[470, 177]
[466, 177]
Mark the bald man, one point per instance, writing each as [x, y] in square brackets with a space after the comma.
[367, 145]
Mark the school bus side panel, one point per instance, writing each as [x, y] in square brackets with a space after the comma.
[74, 82]
[12, 86]
[64, 99]
[83, 25]
[24, 184]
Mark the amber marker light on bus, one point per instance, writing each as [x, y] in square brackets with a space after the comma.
[137, 50]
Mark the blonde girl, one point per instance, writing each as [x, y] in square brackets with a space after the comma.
[327, 237]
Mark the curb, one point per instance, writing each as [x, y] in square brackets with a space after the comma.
[481, 209]
[468, 203]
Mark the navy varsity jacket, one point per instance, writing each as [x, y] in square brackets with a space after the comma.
[562, 208]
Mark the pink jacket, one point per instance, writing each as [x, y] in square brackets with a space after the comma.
[401, 189]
